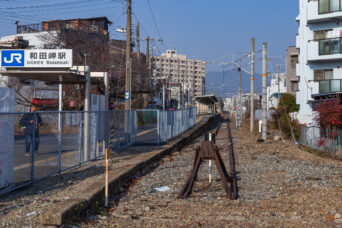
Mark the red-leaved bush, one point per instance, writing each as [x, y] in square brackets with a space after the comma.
[329, 118]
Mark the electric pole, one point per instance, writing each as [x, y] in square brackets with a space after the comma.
[148, 62]
[149, 66]
[138, 39]
[128, 79]
[264, 91]
[252, 83]
[240, 93]
[278, 84]
[148, 53]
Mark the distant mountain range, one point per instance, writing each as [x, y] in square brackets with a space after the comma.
[231, 83]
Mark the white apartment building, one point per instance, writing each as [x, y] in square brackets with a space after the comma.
[178, 69]
[320, 54]
[278, 85]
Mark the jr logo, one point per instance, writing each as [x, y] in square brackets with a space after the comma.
[12, 58]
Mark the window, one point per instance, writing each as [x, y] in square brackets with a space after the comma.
[321, 34]
[324, 47]
[334, 5]
[294, 61]
[329, 6]
[330, 46]
[320, 75]
[324, 86]
[294, 86]
[335, 46]
[335, 85]
[324, 6]
[326, 82]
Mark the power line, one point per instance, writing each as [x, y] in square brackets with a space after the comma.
[61, 7]
[154, 19]
[44, 5]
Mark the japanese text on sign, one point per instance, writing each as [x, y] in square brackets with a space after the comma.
[45, 58]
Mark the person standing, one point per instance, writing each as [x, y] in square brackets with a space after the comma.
[27, 122]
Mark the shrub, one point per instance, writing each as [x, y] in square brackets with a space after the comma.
[286, 105]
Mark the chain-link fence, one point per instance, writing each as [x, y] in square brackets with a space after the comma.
[37, 145]
[173, 123]
[312, 137]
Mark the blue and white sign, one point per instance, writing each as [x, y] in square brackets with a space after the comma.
[126, 95]
[12, 58]
[36, 58]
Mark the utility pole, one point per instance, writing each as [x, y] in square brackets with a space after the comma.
[149, 66]
[138, 39]
[148, 53]
[148, 69]
[278, 84]
[128, 86]
[264, 91]
[223, 74]
[252, 83]
[240, 93]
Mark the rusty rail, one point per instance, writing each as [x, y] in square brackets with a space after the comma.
[234, 188]
[209, 151]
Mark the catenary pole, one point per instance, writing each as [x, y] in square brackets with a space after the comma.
[252, 84]
[264, 91]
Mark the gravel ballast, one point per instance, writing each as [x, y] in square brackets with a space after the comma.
[279, 186]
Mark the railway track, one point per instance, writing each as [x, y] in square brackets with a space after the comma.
[209, 151]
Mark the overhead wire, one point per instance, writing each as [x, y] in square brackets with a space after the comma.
[154, 19]
[43, 5]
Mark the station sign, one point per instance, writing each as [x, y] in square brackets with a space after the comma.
[36, 58]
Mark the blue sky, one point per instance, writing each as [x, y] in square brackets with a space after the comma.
[203, 29]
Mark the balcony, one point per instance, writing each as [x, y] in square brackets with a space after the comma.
[325, 50]
[324, 11]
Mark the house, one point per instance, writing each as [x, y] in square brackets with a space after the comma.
[275, 89]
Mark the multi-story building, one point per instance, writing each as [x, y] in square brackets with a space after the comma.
[276, 87]
[291, 77]
[178, 69]
[320, 55]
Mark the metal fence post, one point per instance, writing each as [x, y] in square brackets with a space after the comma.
[158, 128]
[60, 126]
[33, 145]
[80, 141]
[119, 139]
[135, 124]
[97, 135]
